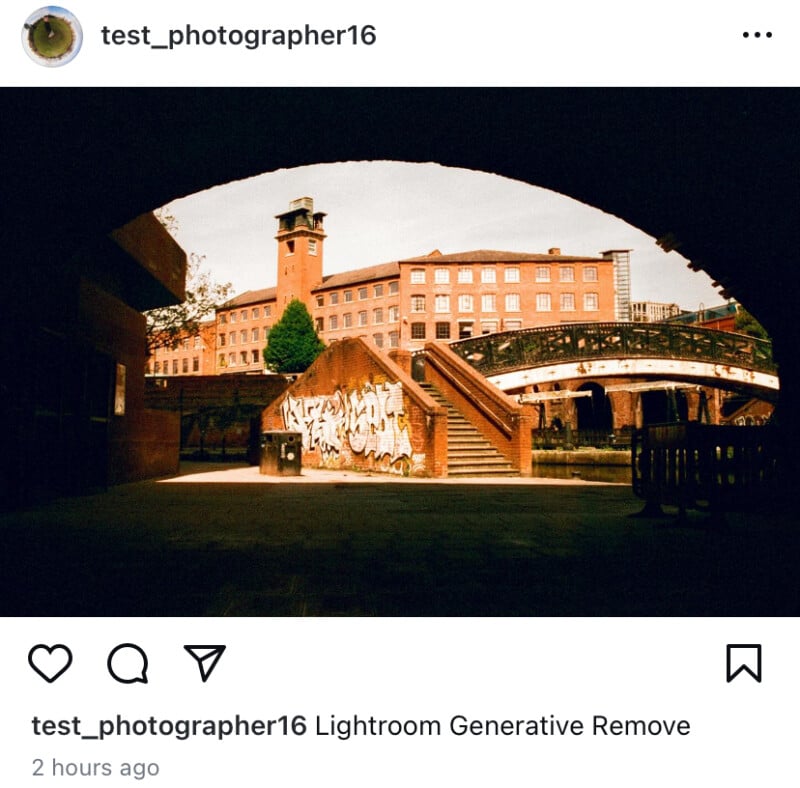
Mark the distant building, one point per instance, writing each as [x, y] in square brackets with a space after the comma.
[652, 312]
[721, 318]
[193, 355]
[405, 303]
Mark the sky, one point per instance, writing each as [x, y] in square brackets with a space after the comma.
[379, 212]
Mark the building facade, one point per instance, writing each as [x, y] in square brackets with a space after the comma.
[406, 303]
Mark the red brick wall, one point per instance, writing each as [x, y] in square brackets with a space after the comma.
[357, 409]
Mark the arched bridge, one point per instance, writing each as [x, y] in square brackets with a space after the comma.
[532, 356]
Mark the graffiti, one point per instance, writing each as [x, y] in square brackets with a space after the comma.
[371, 420]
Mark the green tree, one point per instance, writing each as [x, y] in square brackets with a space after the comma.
[293, 341]
[745, 323]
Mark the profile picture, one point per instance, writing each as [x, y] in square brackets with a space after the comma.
[52, 36]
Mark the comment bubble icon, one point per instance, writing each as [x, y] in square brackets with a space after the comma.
[127, 664]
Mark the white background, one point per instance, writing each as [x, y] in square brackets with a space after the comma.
[743, 733]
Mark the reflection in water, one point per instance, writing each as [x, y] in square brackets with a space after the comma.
[613, 474]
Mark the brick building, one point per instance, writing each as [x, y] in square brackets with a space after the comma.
[193, 355]
[403, 304]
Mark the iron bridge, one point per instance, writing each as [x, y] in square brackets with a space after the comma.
[532, 356]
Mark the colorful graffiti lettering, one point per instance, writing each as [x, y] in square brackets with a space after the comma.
[372, 420]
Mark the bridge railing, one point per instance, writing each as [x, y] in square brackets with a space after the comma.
[695, 465]
[510, 350]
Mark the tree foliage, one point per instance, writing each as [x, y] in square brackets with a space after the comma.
[168, 326]
[745, 323]
[293, 341]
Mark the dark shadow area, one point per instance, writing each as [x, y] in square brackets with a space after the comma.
[180, 549]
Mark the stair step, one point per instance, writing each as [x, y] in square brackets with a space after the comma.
[468, 452]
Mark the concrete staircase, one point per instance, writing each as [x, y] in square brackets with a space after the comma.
[468, 452]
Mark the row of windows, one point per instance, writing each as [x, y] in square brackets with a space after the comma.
[512, 302]
[186, 344]
[361, 318]
[244, 336]
[246, 314]
[360, 293]
[463, 330]
[184, 366]
[511, 274]
[243, 359]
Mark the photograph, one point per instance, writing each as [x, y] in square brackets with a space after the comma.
[399, 352]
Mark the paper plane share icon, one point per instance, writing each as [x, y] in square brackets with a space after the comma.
[206, 657]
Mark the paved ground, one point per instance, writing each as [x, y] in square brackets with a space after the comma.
[228, 541]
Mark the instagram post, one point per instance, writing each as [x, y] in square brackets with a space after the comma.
[398, 396]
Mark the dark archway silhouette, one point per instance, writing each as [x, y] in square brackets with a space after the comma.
[594, 413]
[710, 172]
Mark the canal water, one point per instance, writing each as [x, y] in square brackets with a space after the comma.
[615, 474]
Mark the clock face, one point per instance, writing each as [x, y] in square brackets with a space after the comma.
[52, 36]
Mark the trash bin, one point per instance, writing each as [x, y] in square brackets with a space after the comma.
[281, 453]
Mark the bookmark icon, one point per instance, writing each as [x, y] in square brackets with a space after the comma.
[206, 657]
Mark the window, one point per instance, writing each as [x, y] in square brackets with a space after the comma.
[333, 322]
[566, 273]
[362, 318]
[377, 291]
[465, 276]
[464, 330]
[348, 296]
[488, 275]
[254, 335]
[362, 294]
[417, 276]
[394, 287]
[347, 319]
[221, 360]
[267, 311]
[320, 300]
[254, 357]
[377, 316]
[417, 331]
[591, 302]
[290, 247]
[394, 314]
[442, 331]
[442, 303]
[512, 302]
[334, 299]
[266, 331]
[233, 317]
[394, 339]
[417, 303]
[312, 246]
[185, 343]
[488, 303]
[378, 340]
[222, 339]
[512, 274]
[243, 358]
[243, 337]
[542, 273]
[231, 359]
[319, 324]
[465, 303]
[157, 367]
[244, 315]
[223, 319]
[195, 364]
[488, 326]
[512, 325]
[590, 273]
[232, 338]
[174, 366]
[256, 313]
[567, 302]
[543, 302]
[197, 342]
[441, 276]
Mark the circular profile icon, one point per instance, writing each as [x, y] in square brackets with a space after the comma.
[52, 36]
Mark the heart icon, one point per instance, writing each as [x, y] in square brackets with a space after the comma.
[50, 661]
